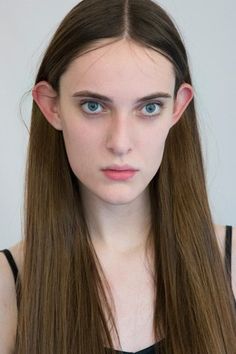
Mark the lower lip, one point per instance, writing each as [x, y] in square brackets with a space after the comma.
[119, 175]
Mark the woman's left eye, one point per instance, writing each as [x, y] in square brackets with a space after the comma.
[152, 108]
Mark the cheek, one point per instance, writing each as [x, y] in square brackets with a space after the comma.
[155, 142]
[80, 148]
[154, 148]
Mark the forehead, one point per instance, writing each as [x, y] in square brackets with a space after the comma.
[119, 66]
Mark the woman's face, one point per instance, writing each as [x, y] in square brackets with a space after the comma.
[123, 127]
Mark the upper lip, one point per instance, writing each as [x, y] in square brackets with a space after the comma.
[120, 168]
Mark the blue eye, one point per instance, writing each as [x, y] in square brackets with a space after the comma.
[153, 108]
[92, 106]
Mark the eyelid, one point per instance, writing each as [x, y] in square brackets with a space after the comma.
[96, 100]
[84, 101]
[87, 100]
[160, 103]
[93, 99]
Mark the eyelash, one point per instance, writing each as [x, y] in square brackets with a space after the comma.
[160, 104]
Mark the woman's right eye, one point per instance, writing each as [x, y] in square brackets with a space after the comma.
[90, 107]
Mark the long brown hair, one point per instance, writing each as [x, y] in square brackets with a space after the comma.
[63, 303]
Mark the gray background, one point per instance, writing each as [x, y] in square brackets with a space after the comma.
[208, 29]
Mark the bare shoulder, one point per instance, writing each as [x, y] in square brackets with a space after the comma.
[17, 252]
[8, 304]
[233, 261]
[220, 235]
[220, 231]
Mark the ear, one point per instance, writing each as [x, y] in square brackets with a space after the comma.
[47, 100]
[183, 98]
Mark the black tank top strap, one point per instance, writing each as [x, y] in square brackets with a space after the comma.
[228, 248]
[11, 262]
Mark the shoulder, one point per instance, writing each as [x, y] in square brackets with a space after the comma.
[220, 232]
[8, 304]
[17, 252]
[233, 261]
[7, 281]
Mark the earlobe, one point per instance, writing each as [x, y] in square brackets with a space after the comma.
[183, 98]
[46, 98]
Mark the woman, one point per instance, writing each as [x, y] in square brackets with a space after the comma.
[120, 251]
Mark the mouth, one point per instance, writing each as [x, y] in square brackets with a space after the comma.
[120, 168]
[119, 175]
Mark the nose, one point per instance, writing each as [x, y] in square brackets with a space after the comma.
[118, 139]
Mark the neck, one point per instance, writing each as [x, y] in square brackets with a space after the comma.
[120, 229]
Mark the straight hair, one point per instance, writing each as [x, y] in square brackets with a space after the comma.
[65, 303]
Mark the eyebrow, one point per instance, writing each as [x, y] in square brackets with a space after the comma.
[109, 100]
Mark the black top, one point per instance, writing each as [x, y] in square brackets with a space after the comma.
[151, 349]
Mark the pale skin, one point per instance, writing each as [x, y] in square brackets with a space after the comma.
[121, 132]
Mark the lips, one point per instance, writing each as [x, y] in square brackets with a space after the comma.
[120, 168]
[119, 172]
[119, 175]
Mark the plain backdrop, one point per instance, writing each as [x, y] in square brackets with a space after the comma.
[208, 29]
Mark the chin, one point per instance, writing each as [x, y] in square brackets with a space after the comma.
[113, 194]
[119, 197]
